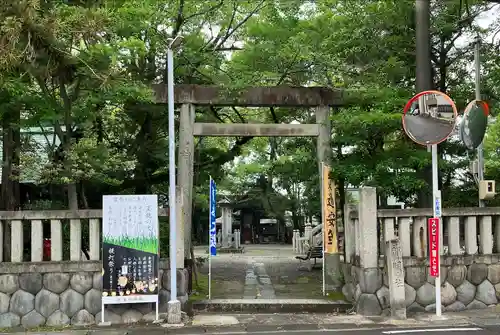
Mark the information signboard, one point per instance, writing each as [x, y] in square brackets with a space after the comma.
[130, 249]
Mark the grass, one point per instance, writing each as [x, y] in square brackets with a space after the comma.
[142, 243]
[335, 296]
[201, 289]
[39, 329]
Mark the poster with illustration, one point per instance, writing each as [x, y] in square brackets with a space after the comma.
[130, 248]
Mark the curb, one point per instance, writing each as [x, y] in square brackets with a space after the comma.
[269, 307]
[258, 328]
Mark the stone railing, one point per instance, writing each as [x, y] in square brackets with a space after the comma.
[469, 249]
[33, 222]
[233, 240]
[464, 231]
[66, 288]
[310, 237]
[301, 243]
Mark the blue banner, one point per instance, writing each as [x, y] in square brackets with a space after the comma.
[213, 228]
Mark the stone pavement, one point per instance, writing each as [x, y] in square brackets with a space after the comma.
[262, 272]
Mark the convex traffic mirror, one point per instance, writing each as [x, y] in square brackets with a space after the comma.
[429, 117]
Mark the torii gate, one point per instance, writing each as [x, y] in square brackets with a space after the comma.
[190, 96]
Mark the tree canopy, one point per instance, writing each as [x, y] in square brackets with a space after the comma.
[78, 122]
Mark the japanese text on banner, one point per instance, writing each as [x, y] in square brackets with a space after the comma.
[329, 213]
[433, 227]
[213, 228]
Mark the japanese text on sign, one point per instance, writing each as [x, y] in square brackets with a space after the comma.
[433, 227]
[397, 264]
[437, 204]
[130, 247]
[329, 213]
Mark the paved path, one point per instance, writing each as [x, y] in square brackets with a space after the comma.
[427, 129]
[361, 331]
[262, 272]
[351, 330]
[257, 282]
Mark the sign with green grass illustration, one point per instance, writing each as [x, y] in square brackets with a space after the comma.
[130, 248]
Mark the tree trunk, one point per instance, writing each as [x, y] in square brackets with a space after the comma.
[72, 196]
[10, 174]
[423, 81]
[144, 161]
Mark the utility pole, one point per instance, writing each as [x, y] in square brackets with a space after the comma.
[477, 65]
[424, 66]
[424, 83]
[422, 20]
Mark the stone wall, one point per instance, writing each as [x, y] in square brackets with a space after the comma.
[63, 293]
[467, 283]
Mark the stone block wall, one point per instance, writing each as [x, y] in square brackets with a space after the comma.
[63, 293]
[467, 283]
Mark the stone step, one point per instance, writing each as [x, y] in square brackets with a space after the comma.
[270, 306]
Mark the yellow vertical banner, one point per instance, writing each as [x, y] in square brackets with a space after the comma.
[329, 213]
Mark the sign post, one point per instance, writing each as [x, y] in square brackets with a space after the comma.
[429, 118]
[329, 209]
[130, 250]
[212, 234]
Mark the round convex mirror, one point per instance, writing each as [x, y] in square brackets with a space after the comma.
[429, 117]
[474, 123]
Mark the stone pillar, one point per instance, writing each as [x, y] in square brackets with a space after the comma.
[180, 227]
[396, 274]
[17, 243]
[237, 238]
[75, 240]
[227, 224]
[185, 175]
[349, 235]
[454, 235]
[369, 275]
[497, 235]
[36, 241]
[308, 233]
[470, 235]
[294, 237]
[219, 238]
[368, 253]
[333, 269]
[420, 237]
[404, 235]
[485, 235]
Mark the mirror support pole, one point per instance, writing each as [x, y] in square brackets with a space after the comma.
[480, 156]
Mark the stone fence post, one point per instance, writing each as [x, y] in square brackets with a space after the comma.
[308, 232]
[368, 274]
[368, 256]
[349, 235]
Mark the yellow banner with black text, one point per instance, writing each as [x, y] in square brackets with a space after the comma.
[329, 212]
